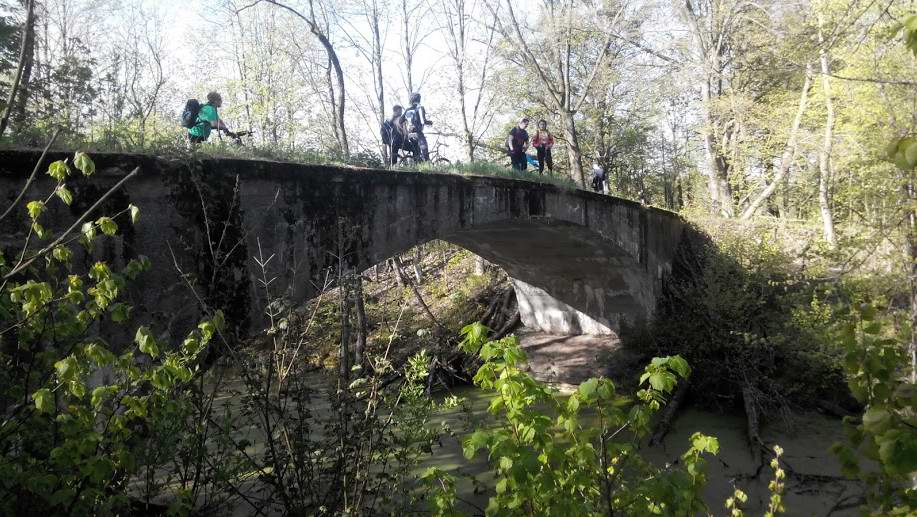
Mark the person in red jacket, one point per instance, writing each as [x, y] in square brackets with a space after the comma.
[543, 142]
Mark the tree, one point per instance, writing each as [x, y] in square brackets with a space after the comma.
[371, 47]
[566, 76]
[473, 97]
[25, 57]
[714, 26]
[338, 96]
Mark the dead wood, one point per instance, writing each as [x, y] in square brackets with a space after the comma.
[668, 414]
[751, 414]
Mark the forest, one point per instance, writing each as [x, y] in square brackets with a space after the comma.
[777, 373]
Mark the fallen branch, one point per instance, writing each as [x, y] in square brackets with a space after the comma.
[509, 327]
[751, 415]
[407, 281]
[668, 414]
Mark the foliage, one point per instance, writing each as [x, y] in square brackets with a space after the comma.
[548, 462]
[738, 309]
[82, 415]
[887, 433]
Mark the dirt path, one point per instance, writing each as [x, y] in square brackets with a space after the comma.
[566, 361]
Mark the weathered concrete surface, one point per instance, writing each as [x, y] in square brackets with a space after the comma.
[582, 261]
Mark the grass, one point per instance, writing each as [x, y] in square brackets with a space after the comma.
[174, 146]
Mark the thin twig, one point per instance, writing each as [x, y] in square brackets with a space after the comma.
[32, 177]
[82, 218]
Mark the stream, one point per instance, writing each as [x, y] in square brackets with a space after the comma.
[814, 485]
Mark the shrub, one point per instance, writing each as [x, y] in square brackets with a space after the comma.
[82, 416]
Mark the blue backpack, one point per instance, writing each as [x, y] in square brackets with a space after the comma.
[189, 115]
[412, 117]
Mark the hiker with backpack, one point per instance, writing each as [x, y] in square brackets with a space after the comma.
[393, 133]
[415, 118]
[200, 119]
[543, 142]
[517, 143]
[598, 178]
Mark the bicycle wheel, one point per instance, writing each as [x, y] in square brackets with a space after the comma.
[407, 161]
[441, 162]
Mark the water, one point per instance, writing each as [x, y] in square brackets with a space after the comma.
[814, 485]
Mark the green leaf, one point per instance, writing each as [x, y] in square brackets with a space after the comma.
[59, 170]
[588, 388]
[145, 342]
[66, 369]
[703, 443]
[662, 381]
[107, 225]
[135, 213]
[89, 231]
[84, 163]
[876, 420]
[501, 485]
[39, 230]
[44, 400]
[101, 393]
[680, 366]
[910, 154]
[61, 254]
[120, 312]
[35, 208]
[64, 194]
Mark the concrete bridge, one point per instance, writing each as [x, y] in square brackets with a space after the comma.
[581, 262]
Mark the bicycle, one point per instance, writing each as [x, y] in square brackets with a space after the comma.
[236, 137]
[436, 157]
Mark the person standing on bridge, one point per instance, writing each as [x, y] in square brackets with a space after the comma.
[517, 143]
[415, 118]
[393, 133]
[543, 142]
[598, 178]
[208, 118]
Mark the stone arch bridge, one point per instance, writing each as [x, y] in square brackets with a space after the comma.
[581, 262]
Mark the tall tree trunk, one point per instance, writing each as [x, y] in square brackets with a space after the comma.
[341, 99]
[28, 30]
[408, 54]
[21, 105]
[418, 267]
[717, 163]
[789, 152]
[911, 255]
[377, 69]
[574, 155]
[360, 312]
[345, 288]
[824, 159]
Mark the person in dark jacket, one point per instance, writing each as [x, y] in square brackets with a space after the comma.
[393, 133]
[517, 143]
[415, 119]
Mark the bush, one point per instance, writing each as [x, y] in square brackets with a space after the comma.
[82, 416]
[741, 312]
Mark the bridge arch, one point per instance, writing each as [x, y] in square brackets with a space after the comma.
[581, 262]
